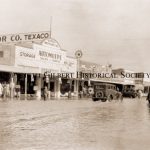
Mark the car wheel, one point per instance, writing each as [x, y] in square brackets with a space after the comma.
[99, 94]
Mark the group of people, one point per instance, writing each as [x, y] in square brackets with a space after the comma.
[4, 90]
[8, 90]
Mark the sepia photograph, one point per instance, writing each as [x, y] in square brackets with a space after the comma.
[74, 74]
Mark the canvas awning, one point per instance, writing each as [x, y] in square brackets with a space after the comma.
[19, 69]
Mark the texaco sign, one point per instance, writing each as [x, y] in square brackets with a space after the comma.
[24, 37]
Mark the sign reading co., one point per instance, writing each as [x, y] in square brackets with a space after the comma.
[24, 37]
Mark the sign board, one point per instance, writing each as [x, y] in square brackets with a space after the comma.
[78, 54]
[24, 37]
[46, 58]
[25, 56]
[39, 56]
[69, 66]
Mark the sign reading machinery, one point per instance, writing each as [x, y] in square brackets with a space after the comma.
[24, 37]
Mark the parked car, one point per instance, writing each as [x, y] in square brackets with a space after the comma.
[105, 91]
[130, 93]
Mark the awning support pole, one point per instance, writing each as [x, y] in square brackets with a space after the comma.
[26, 80]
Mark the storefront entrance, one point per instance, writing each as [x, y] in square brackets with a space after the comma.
[30, 83]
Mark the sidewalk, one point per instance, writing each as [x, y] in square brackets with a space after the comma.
[22, 97]
[72, 98]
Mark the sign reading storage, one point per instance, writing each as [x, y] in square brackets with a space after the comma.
[26, 57]
[24, 37]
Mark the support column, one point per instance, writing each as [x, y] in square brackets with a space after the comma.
[75, 88]
[78, 70]
[38, 84]
[48, 87]
[12, 87]
[57, 88]
[26, 81]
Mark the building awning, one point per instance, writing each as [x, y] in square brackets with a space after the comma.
[113, 81]
[19, 69]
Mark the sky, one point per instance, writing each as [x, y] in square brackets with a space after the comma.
[107, 31]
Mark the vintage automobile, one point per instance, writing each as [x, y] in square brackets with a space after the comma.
[105, 91]
[130, 93]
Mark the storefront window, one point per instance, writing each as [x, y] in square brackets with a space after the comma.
[4, 77]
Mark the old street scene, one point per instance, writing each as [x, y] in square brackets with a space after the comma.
[74, 75]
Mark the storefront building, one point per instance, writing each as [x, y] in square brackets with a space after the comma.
[86, 83]
[25, 65]
[32, 66]
[105, 74]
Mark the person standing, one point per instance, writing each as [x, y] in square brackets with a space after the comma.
[80, 91]
[148, 97]
[45, 93]
[4, 90]
[7, 90]
[69, 94]
[1, 89]
[139, 94]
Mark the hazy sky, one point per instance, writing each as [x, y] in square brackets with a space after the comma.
[107, 31]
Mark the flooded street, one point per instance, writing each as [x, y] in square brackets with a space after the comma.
[74, 125]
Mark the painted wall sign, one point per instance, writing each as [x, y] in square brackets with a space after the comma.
[47, 58]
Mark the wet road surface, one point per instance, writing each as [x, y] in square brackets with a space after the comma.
[74, 125]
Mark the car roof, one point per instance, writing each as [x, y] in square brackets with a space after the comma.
[104, 84]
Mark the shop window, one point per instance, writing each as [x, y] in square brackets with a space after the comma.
[1, 53]
[65, 86]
